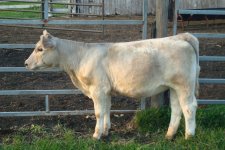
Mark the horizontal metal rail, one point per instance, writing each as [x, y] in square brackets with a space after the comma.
[201, 12]
[43, 92]
[78, 4]
[68, 13]
[84, 112]
[57, 113]
[51, 28]
[23, 69]
[209, 35]
[211, 81]
[17, 46]
[40, 92]
[76, 91]
[211, 58]
[73, 22]
[207, 101]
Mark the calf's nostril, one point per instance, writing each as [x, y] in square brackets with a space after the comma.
[25, 64]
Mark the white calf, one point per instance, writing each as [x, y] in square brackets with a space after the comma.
[135, 69]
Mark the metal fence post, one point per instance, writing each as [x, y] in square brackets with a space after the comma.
[103, 17]
[44, 8]
[47, 110]
[176, 3]
[145, 19]
[143, 103]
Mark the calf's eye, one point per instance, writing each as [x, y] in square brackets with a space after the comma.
[39, 49]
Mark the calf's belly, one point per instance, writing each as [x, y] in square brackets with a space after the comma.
[140, 92]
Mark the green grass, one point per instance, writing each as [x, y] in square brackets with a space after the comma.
[14, 3]
[11, 14]
[8, 14]
[210, 132]
[14, 14]
[210, 117]
[32, 15]
[151, 129]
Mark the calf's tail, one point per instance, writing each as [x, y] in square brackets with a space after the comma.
[193, 41]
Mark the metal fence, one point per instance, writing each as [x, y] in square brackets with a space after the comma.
[45, 21]
[79, 7]
[204, 35]
[48, 8]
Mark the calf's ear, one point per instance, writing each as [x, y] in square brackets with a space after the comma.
[47, 40]
[45, 32]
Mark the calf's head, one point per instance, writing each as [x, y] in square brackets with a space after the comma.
[45, 54]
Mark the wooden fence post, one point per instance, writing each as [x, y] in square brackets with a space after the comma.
[161, 31]
[161, 17]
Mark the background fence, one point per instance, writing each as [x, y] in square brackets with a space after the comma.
[46, 21]
[209, 12]
[44, 4]
[125, 7]
[134, 7]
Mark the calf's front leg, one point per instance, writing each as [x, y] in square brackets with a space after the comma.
[175, 115]
[100, 105]
[107, 124]
[99, 114]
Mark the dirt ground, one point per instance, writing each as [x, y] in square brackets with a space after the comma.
[59, 80]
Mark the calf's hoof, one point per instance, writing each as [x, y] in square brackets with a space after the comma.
[105, 133]
[188, 136]
[170, 137]
[106, 138]
[96, 136]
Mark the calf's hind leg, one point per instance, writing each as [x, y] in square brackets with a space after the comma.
[175, 115]
[188, 105]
